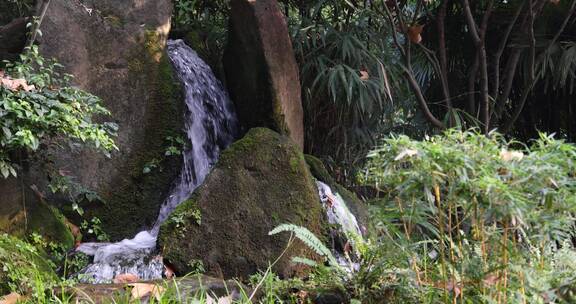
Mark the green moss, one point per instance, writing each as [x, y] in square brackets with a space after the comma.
[22, 266]
[114, 21]
[50, 223]
[318, 169]
[34, 216]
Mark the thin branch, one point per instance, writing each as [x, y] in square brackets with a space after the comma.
[422, 100]
[43, 9]
[500, 51]
[442, 52]
[478, 36]
[472, 26]
[409, 74]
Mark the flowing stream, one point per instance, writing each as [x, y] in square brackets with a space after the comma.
[211, 126]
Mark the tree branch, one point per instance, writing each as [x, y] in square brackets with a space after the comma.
[442, 53]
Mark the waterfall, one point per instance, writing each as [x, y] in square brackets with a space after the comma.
[347, 228]
[210, 126]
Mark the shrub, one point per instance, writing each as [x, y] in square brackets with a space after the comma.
[23, 267]
[472, 219]
[44, 107]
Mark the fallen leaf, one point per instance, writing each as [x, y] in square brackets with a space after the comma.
[169, 272]
[12, 298]
[126, 278]
[414, 33]
[364, 75]
[555, 2]
[508, 156]
[141, 290]
[406, 153]
[15, 84]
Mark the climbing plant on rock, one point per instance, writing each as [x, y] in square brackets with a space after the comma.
[37, 105]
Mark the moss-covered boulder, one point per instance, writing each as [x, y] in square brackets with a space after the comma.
[259, 182]
[22, 265]
[356, 206]
[116, 50]
[23, 212]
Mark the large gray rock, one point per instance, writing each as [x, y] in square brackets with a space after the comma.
[261, 70]
[259, 182]
[115, 50]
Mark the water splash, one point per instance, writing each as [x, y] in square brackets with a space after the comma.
[211, 126]
[337, 210]
[348, 231]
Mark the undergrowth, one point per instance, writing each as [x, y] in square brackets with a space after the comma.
[461, 218]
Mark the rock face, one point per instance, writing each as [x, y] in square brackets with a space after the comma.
[259, 182]
[115, 50]
[23, 212]
[12, 38]
[261, 70]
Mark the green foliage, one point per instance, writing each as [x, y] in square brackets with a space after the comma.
[349, 78]
[175, 147]
[93, 229]
[23, 267]
[476, 219]
[308, 238]
[50, 109]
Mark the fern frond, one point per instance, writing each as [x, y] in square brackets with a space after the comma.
[304, 261]
[308, 238]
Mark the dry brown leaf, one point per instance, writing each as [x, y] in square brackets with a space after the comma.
[364, 75]
[12, 298]
[15, 84]
[126, 278]
[555, 2]
[414, 33]
[169, 272]
[141, 290]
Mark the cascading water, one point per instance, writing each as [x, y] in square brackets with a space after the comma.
[348, 231]
[210, 126]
